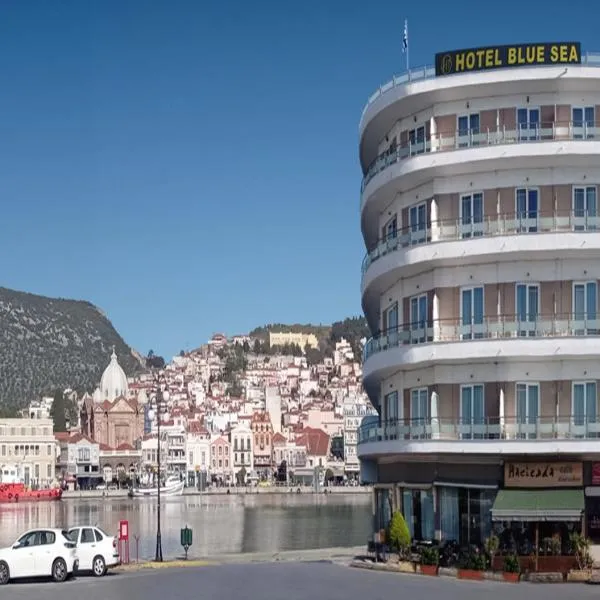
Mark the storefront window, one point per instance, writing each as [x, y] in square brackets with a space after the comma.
[418, 513]
[383, 513]
[519, 537]
[466, 514]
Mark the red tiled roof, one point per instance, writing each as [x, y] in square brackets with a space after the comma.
[315, 440]
[278, 438]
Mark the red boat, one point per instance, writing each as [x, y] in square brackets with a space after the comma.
[17, 492]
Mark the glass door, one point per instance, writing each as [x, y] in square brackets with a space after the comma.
[417, 140]
[419, 412]
[584, 406]
[528, 124]
[584, 208]
[418, 319]
[417, 223]
[528, 409]
[391, 415]
[585, 308]
[527, 210]
[472, 412]
[391, 324]
[468, 130]
[583, 122]
[527, 303]
[471, 313]
[471, 215]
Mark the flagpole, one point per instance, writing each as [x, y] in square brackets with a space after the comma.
[405, 44]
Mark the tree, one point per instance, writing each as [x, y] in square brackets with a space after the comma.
[246, 347]
[154, 362]
[256, 349]
[241, 476]
[399, 534]
[58, 412]
[282, 471]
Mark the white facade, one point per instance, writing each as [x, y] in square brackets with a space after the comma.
[242, 455]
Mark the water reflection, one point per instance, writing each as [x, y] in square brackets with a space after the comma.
[224, 524]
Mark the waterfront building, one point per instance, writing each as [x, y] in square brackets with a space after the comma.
[241, 450]
[28, 451]
[78, 461]
[262, 448]
[479, 213]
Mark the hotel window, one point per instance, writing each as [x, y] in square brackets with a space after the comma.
[471, 215]
[584, 404]
[528, 308]
[528, 409]
[419, 406]
[417, 223]
[468, 130]
[585, 307]
[416, 138]
[471, 311]
[390, 229]
[585, 208]
[472, 411]
[527, 209]
[418, 319]
[584, 122]
[528, 124]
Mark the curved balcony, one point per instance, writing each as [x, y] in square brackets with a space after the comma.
[498, 329]
[471, 139]
[493, 435]
[452, 230]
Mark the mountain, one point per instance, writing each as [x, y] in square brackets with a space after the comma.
[49, 343]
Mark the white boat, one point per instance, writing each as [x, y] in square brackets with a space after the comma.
[172, 487]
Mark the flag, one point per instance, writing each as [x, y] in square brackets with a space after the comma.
[405, 37]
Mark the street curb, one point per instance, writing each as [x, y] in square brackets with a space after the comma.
[167, 564]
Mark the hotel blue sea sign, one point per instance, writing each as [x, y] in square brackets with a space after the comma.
[501, 57]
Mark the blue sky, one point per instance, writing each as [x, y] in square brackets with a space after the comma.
[191, 166]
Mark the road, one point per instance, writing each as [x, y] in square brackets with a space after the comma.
[291, 581]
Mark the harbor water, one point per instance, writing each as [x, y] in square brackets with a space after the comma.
[221, 524]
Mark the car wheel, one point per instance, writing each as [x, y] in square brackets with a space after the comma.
[4, 573]
[59, 570]
[98, 566]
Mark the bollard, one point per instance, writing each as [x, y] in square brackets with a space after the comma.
[137, 548]
[186, 539]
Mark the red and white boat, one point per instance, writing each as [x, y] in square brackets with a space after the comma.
[12, 490]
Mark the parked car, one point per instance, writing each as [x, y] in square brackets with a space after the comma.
[39, 553]
[96, 550]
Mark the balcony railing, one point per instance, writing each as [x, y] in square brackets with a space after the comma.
[471, 138]
[589, 59]
[487, 328]
[446, 230]
[485, 428]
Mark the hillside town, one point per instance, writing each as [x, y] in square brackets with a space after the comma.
[234, 412]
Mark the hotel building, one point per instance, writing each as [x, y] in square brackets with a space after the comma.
[479, 212]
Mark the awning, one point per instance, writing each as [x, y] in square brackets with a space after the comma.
[538, 505]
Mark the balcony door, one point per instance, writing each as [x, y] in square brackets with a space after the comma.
[418, 319]
[583, 122]
[528, 308]
[585, 308]
[528, 124]
[472, 412]
[471, 310]
[585, 208]
[528, 409]
[390, 231]
[468, 130]
[416, 137]
[584, 406]
[391, 324]
[417, 223]
[527, 210]
[419, 412]
[392, 414]
[471, 215]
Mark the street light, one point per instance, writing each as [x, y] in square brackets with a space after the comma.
[160, 395]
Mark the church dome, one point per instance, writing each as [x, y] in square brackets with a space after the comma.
[114, 381]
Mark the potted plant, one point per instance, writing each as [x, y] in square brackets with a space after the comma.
[491, 547]
[430, 560]
[472, 566]
[399, 537]
[512, 568]
[580, 546]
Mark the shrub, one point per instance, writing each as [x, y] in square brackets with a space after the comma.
[511, 564]
[491, 546]
[581, 548]
[399, 534]
[430, 556]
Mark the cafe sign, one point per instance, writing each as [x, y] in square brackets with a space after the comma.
[538, 475]
[502, 57]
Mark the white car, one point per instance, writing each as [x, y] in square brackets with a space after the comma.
[96, 550]
[39, 553]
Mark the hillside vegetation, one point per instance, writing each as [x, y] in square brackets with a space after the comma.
[49, 343]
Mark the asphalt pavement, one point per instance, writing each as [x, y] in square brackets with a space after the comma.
[287, 581]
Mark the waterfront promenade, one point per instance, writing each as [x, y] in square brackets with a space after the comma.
[225, 491]
[291, 581]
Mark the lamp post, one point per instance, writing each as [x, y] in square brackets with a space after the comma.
[161, 395]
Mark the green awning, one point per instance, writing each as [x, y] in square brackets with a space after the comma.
[538, 505]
